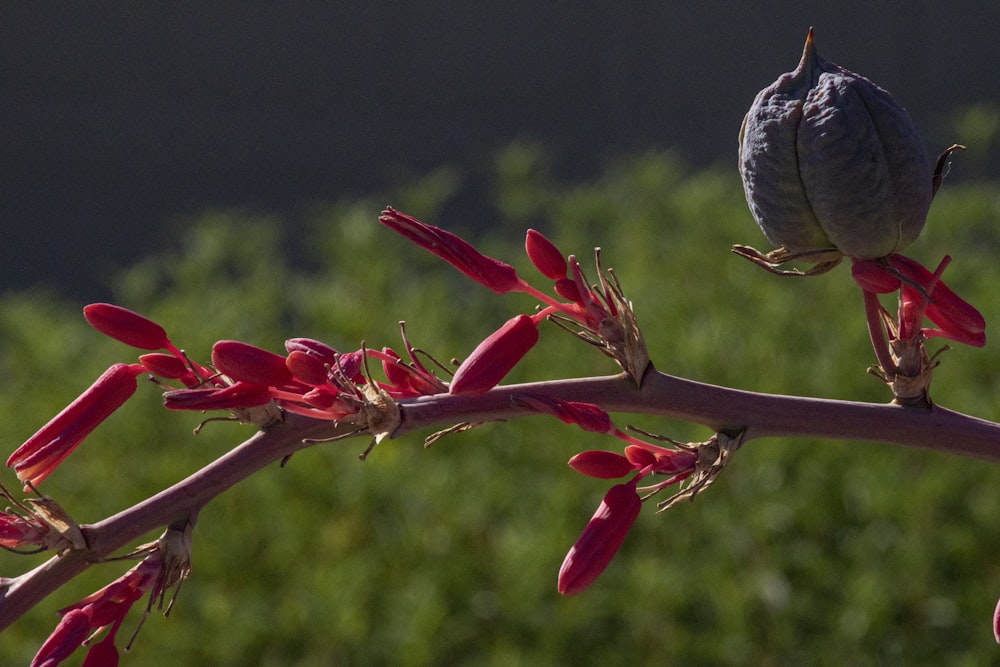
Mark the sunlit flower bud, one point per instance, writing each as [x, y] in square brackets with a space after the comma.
[545, 256]
[315, 348]
[492, 273]
[165, 365]
[601, 464]
[830, 160]
[126, 326]
[566, 288]
[600, 540]
[307, 368]
[249, 363]
[495, 356]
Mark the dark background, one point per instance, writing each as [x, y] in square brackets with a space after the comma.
[120, 119]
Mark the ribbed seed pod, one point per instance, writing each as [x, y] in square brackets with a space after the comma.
[830, 160]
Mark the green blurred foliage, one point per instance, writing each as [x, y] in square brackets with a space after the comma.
[805, 552]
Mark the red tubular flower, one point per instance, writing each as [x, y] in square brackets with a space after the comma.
[235, 396]
[923, 293]
[18, 531]
[249, 363]
[492, 273]
[103, 609]
[126, 326]
[601, 464]
[958, 320]
[45, 450]
[545, 256]
[587, 416]
[495, 356]
[72, 631]
[601, 539]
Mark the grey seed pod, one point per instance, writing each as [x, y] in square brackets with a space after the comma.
[830, 160]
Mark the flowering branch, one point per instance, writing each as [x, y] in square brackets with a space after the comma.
[758, 415]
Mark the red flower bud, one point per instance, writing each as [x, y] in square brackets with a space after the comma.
[545, 256]
[307, 368]
[248, 363]
[601, 464]
[640, 457]
[495, 356]
[126, 326]
[567, 289]
[601, 539]
[165, 365]
[322, 351]
[492, 273]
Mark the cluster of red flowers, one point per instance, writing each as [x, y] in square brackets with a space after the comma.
[165, 564]
[898, 339]
[315, 380]
[922, 294]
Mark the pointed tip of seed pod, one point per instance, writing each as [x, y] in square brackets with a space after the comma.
[808, 51]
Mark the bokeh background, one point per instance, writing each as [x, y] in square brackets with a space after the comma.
[121, 120]
[220, 169]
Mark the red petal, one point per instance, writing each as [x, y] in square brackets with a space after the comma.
[567, 289]
[103, 654]
[640, 456]
[396, 374]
